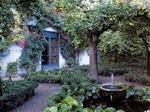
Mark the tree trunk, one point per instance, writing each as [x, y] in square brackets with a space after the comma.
[147, 51]
[93, 58]
[148, 63]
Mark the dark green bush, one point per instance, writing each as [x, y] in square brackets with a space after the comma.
[84, 68]
[64, 76]
[89, 95]
[137, 76]
[12, 68]
[107, 68]
[15, 93]
[84, 92]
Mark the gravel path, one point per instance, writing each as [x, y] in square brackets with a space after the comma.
[39, 102]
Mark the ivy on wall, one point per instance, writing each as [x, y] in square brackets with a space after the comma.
[66, 47]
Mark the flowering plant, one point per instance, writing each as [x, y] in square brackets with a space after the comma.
[32, 47]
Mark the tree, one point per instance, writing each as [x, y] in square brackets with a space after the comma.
[89, 20]
[138, 29]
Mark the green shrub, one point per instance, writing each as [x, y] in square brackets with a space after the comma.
[84, 68]
[137, 76]
[12, 68]
[107, 68]
[64, 76]
[15, 93]
[84, 92]
[70, 62]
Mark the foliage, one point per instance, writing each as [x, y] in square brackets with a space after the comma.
[12, 68]
[81, 20]
[116, 48]
[106, 68]
[82, 92]
[69, 104]
[33, 46]
[137, 76]
[137, 32]
[66, 47]
[84, 68]
[60, 76]
[15, 93]
[86, 22]
[6, 18]
[140, 95]
[3, 45]
[70, 62]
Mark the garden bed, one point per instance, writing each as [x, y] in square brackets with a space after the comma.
[15, 93]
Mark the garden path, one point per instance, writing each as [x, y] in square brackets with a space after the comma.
[39, 102]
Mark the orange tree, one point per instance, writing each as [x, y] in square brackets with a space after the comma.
[87, 21]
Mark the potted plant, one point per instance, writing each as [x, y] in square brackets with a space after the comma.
[12, 68]
[4, 48]
[70, 62]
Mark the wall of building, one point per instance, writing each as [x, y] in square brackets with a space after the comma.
[15, 52]
[83, 58]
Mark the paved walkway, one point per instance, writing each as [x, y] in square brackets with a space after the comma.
[39, 102]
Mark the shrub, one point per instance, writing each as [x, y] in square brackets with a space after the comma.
[12, 68]
[60, 76]
[84, 92]
[84, 68]
[107, 68]
[15, 93]
[69, 104]
[137, 76]
[70, 62]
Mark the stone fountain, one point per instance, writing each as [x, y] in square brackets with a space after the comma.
[112, 92]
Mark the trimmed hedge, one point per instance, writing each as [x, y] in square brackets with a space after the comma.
[63, 76]
[138, 77]
[15, 93]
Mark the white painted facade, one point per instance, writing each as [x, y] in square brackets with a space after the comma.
[15, 52]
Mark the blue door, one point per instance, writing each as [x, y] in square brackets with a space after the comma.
[50, 57]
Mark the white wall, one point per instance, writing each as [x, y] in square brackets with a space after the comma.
[15, 52]
[62, 61]
[83, 58]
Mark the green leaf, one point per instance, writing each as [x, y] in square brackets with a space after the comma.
[148, 100]
[87, 110]
[110, 109]
[120, 111]
[71, 101]
[51, 109]
[89, 93]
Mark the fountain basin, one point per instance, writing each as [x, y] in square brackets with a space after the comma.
[113, 92]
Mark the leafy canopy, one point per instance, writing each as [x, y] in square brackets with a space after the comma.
[81, 18]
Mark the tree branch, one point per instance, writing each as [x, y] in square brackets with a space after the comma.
[144, 41]
[105, 28]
